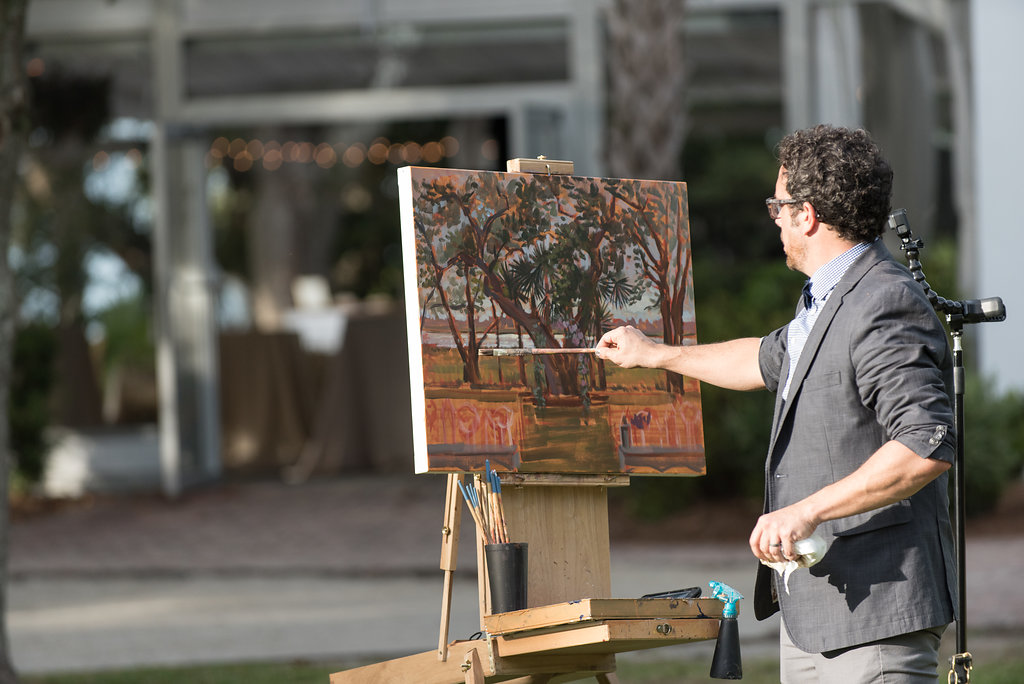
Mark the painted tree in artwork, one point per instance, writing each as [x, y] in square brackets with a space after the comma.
[568, 274]
[464, 238]
[442, 270]
[663, 254]
[554, 254]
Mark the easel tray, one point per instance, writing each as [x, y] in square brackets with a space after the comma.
[562, 615]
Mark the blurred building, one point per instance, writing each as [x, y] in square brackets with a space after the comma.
[526, 78]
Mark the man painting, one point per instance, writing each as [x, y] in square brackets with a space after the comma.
[863, 429]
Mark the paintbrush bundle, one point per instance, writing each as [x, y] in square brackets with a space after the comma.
[483, 496]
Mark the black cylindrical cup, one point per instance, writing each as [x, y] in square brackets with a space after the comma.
[506, 574]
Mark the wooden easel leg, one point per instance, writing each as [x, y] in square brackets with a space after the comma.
[475, 673]
[449, 556]
[483, 591]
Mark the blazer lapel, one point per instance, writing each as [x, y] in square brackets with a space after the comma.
[857, 270]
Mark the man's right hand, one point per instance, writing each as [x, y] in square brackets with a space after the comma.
[628, 347]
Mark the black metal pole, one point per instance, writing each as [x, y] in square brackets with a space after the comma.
[957, 314]
[959, 491]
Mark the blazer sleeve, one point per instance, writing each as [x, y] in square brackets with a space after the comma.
[771, 357]
[903, 366]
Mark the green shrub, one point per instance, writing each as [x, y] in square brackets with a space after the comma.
[35, 347]
[993, 444]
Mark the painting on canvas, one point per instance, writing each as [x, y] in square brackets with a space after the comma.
[535, 261]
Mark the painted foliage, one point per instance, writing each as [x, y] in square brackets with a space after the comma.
[508, 260]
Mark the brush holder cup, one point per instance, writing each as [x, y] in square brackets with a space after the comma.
[506, 576]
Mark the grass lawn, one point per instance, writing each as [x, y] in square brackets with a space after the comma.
[1004, 669]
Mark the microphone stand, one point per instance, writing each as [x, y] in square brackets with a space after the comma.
[958, 313]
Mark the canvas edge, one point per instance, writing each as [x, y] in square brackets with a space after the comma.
[417, 391]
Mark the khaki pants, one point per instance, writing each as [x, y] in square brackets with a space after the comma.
[905, 659]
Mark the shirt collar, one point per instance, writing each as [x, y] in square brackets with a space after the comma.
[828, 276]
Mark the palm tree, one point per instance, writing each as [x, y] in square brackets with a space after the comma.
[647, 83]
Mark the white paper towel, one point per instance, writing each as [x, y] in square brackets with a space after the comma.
[811, 551]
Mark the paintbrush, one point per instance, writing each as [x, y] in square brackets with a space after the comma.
[485, 506]
[496, 484]
[498, 508]
[492, 503]
[484, 501]
[517, 351]
[474, 509]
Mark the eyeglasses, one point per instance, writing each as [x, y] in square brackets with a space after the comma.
[775, 205]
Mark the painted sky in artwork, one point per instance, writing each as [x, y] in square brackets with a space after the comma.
[550, 261]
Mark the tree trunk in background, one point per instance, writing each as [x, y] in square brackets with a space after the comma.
[77, 400]
[647, 108]
[271, 245]
[291, 228]
[646, 94]
[13, 129]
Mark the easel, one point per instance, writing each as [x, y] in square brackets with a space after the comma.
[571, 628]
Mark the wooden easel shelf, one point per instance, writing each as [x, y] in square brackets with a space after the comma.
[578, 637]
[603, 626]
[590, 610]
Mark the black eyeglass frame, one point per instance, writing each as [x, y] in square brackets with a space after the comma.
[775, 205]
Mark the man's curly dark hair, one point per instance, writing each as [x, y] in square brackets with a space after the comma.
[842, 173]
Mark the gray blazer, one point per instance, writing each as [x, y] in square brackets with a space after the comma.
[875, 367]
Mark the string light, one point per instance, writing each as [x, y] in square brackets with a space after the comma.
[289, 151]
[489, 149]
[433, 152]
[236, 147]
[243, 162]
[325, 155]
[272, 158]
[395, 153]
[378, 153]
[354, 155]
[412, 152]
[450, 145]
[255, 149]
[35, 67]
[100, 160]
[219, 147]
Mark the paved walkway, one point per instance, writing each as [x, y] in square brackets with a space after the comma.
[327, 570]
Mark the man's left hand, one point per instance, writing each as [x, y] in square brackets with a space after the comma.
[775, 533]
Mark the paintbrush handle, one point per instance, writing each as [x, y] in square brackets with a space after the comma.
[501, 516]
[474, 510]
[485, 505]
[499, 505]
[516, 351]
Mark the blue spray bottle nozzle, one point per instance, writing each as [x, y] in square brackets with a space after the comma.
[727, 595]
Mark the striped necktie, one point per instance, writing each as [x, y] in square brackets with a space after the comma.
[798, 331]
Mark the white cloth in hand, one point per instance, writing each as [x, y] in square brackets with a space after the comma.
[811, 551]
